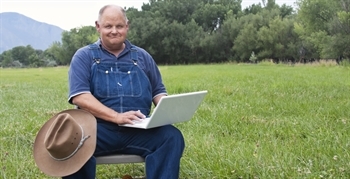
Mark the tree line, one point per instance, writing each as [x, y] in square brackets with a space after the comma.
[214, 31]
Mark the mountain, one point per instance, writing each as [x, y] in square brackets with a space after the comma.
[19, 30]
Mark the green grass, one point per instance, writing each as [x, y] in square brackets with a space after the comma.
[257, 121]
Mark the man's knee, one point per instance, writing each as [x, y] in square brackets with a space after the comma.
[174, 136]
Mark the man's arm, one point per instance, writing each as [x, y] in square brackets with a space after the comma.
[157, 99]
[88, 102]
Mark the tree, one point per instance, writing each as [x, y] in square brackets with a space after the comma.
[73, 40]
[315, 14]
[55, 53]
[326, 26]
[6, 59]
[35, 61]
[253, 58]
[247, 30]
[210, 16]
[271, 4]
[253, 9]
[22, 53]
[277, 39]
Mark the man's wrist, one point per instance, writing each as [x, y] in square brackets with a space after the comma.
[115, 118]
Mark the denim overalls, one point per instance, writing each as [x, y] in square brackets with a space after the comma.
[122, 86]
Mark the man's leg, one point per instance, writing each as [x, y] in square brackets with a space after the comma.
[161, 147]
[164, 161]
[88, 171]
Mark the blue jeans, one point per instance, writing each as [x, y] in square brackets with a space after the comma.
[161, 147]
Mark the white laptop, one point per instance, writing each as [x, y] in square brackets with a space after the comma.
[172, 109]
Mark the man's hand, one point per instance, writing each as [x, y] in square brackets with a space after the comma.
[89, 103]
[129, 117]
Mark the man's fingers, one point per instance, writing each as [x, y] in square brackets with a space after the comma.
[140, 115]
[131, 116]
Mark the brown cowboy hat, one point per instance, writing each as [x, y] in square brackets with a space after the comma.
[65, 142]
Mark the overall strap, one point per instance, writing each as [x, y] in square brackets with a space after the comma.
[96, 56]
[134, 55]
[95, 52]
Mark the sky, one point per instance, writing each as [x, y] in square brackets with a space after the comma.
[68, 14]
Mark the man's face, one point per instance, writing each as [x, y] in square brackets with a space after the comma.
[112, 27]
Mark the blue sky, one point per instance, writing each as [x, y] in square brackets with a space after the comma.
[68, 14]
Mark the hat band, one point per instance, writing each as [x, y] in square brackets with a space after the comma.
[83, 138]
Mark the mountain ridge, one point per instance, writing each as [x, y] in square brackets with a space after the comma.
[19, 30]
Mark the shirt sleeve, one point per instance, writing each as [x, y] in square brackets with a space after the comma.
[79, 73]
[154, 75]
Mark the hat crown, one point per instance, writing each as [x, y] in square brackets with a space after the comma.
[55, 150]
[63, 137]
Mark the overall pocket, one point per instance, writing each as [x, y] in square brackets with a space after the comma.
[117, 81]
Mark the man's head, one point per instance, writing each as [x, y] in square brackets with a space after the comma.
[112, 25]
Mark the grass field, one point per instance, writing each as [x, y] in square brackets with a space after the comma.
[257, 121]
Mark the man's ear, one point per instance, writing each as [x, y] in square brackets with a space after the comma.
[97, 25]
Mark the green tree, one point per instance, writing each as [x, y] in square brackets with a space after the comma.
[35, 61]
[246, 40]
[277, 40]
[210, 16]
[253, 9]
[271, 4]
[325, 25]
[22, 54]
[6, 59]
[253, 58]
[56, 53]
[148, 32]
[73, 40]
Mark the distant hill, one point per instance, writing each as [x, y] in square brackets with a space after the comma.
[19, 30]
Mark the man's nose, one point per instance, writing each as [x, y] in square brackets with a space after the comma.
[114, 30]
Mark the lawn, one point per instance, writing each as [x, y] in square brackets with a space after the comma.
[257, 121]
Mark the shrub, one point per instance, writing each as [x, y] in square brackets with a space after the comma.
[51, 63]
[345, 63]
[16, 64]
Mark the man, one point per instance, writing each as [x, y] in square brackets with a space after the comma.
[117, 82]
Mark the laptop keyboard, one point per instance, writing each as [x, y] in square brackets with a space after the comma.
[141, 121]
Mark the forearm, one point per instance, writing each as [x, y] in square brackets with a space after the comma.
[89, 103]
[157, 99]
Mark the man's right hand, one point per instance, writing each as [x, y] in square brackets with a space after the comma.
[89, 103]
[129, 117]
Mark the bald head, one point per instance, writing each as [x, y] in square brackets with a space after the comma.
[112, 7]
[112, 25]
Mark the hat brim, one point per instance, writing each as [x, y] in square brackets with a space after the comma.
[55, 168]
